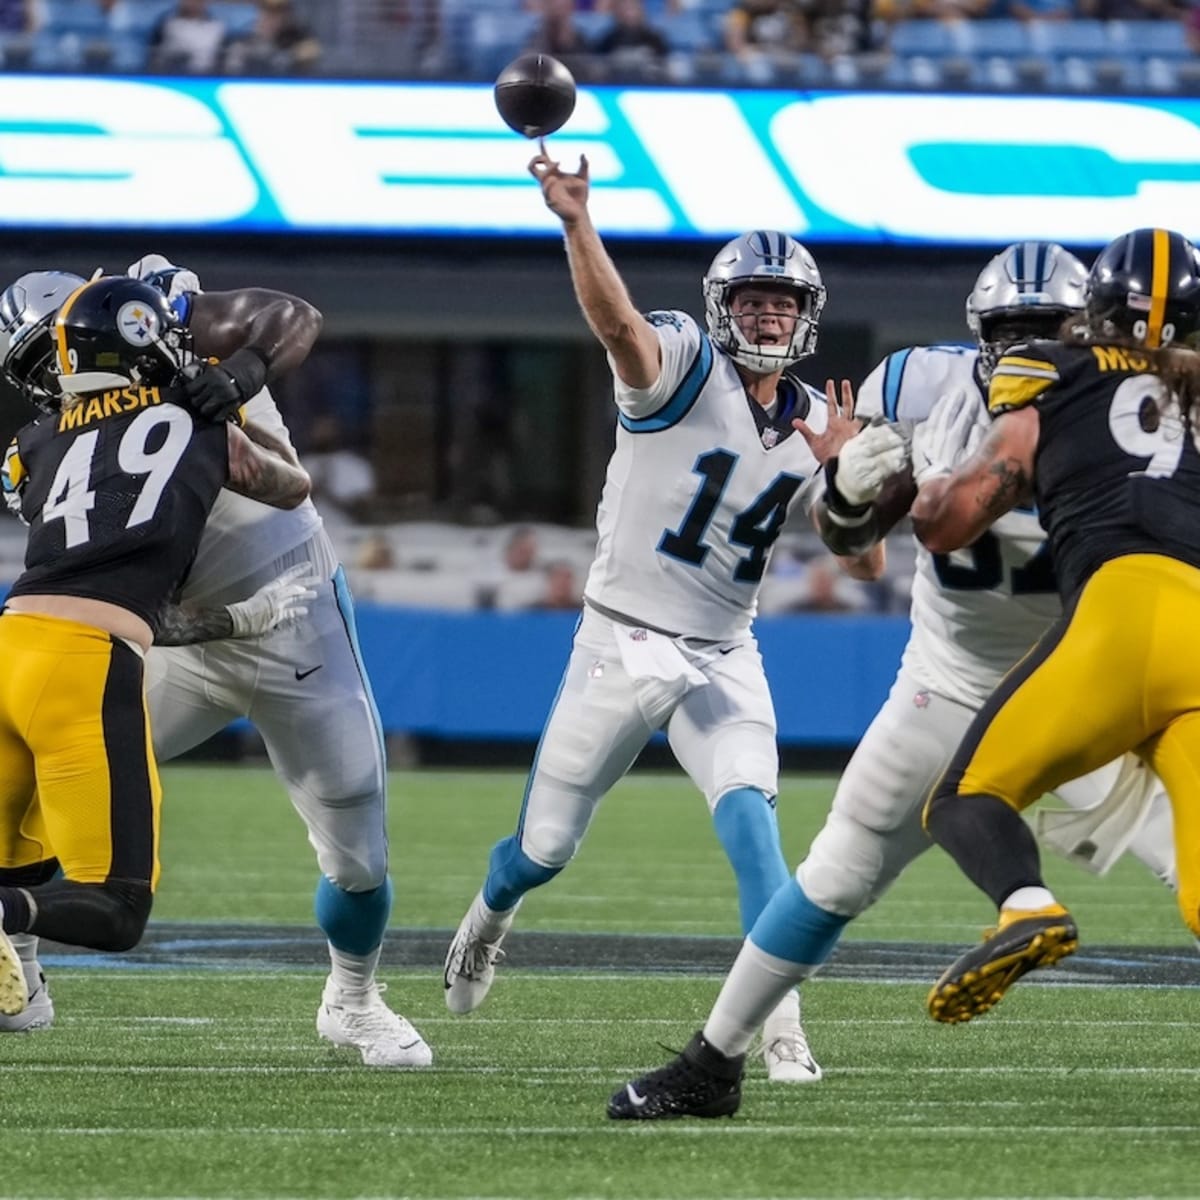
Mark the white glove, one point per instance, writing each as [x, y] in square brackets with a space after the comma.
[274, 603]
[179, 280]
[945, 436]
[866, 461]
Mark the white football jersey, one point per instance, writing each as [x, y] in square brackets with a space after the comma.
[242, 537]
[697, 490]
[974, 612]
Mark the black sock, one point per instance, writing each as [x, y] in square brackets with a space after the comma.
[16, 910]
[990, 841]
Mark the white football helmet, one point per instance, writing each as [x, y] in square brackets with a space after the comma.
[27, 349]
[764, 256]
[1026, 291]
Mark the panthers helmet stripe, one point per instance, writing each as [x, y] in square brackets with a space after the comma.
[1160, 258]
[60, 331]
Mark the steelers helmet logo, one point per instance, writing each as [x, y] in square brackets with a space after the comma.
[137, 324]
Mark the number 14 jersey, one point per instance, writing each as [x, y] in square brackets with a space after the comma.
[115, 491]
[699, 486]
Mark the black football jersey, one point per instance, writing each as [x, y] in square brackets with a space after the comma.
[1117, 470]
[115, 491]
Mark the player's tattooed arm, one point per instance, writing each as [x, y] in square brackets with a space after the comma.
[260, 436]
[263, 474]
[182, 626]
[952, 511]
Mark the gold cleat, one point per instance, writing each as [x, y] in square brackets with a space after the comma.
[14, 991]
[1023, 941]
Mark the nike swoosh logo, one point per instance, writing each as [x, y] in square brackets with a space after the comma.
[728, 649]
[634, 1099]
[306, 674]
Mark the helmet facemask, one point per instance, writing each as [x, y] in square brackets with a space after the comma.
[1002, 330]
[768, 260]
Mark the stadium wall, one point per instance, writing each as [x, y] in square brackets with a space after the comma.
[492, 677]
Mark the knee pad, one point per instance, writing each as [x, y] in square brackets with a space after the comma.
[843, 867]
[549, 843]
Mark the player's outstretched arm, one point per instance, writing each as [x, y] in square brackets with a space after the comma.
[262, 474]
[282, 328]
[953, 508]
[285, 598]
[599, 288]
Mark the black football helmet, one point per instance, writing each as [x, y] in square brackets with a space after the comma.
[115, 332]
[27, 309]
[1145, 286]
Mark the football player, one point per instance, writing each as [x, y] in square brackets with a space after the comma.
[1099, 430]
[707, 468]
[972, 617]
[304, 685]
[115, 482]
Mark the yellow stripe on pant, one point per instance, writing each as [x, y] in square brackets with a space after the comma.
[1122, 673]
[78, 780]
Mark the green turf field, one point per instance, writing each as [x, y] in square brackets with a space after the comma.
[180, 1075]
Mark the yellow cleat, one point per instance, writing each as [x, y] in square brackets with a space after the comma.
[1024, 940]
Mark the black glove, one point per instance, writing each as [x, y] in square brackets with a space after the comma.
[217, 390]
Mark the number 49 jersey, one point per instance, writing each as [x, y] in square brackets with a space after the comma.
[1117, 472]
[698, 488]
[977, 611]
[115, 491]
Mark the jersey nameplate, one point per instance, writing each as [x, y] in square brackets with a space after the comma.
[108, 404]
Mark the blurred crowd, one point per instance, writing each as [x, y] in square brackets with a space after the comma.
[743, 42]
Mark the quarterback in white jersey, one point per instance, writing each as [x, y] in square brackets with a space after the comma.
[708, 466]
[974, 614]
[302, 683]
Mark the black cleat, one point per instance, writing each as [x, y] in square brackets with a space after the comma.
[700, 1082]
[977, 980]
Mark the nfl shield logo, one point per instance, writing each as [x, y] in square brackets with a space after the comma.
[770, 436]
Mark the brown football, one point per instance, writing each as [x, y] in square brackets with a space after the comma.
[535, 94]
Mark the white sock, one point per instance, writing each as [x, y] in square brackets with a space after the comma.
[1029, 898]
[784, 1016]
[491, 924]
[758, 984]
[353, 972]
[26, 946]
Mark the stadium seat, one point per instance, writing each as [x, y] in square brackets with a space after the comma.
[1008, 39]
[81, 17]
[1162, 39]
[495, 40]
[237, 18]
[925, 38]
[1074, 39]
[688, 31]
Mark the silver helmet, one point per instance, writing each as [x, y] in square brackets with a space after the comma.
[1026, 291]
[763, 257]
[27, 347]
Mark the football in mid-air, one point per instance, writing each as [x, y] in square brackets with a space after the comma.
[535, 94]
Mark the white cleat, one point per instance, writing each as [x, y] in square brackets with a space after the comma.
[470, 966]
[38, 1013]
[362, 1020]
[14, 991]
[788, 1058]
